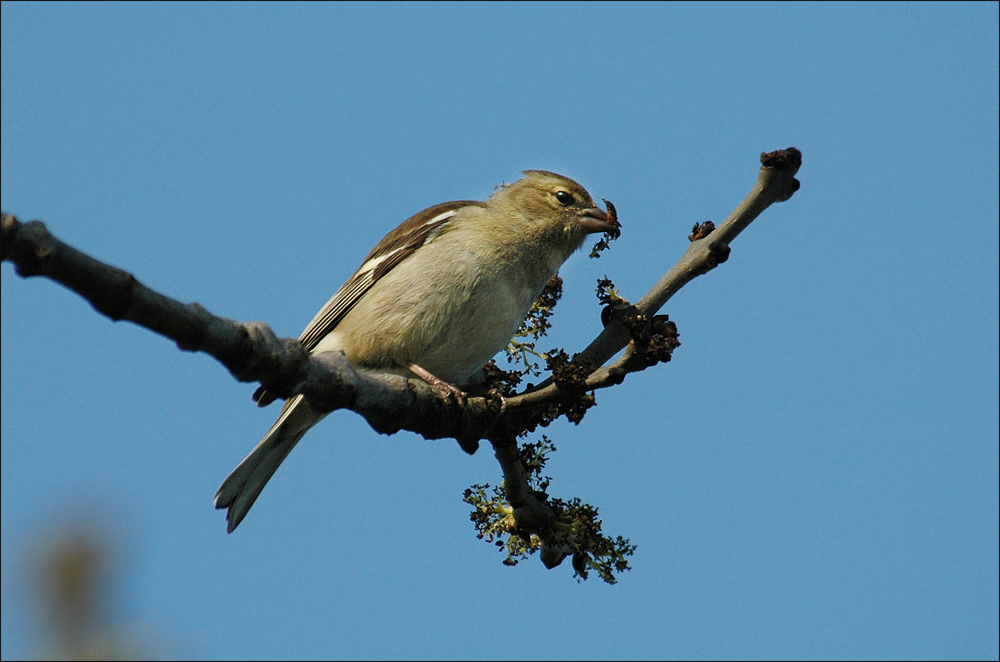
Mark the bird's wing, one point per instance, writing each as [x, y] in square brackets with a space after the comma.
[395, 247]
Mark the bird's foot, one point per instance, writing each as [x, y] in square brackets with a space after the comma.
[440, 384]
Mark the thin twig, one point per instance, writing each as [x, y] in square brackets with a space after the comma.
[775, 183]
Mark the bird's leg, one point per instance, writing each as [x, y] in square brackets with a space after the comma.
[459, 394]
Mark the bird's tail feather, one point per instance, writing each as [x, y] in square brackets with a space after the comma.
[241, 489]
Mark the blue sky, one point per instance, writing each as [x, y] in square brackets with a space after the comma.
[814, 475]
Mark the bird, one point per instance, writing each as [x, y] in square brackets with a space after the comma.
[435, 299]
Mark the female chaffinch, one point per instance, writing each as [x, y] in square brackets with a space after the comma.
[436, 298]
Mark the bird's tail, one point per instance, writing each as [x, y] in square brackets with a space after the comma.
[244, 485]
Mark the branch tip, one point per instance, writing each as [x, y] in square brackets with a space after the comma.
[790, 157]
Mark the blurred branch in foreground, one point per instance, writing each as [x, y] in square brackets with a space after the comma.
[72, 575]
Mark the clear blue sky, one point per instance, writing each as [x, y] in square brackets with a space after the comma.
[814, 475]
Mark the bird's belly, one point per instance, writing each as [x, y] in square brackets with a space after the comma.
[449, 331]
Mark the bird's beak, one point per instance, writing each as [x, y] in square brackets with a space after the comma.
[596, 219]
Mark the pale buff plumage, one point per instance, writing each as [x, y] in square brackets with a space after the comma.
[446, 290]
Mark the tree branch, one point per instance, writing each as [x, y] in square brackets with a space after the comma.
[390, 403]
[250, 351]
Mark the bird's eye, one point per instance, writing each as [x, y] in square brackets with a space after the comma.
[565, 198]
